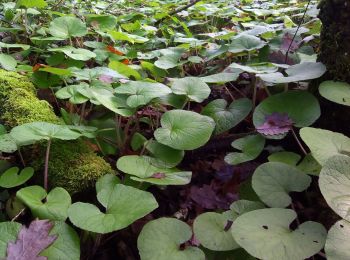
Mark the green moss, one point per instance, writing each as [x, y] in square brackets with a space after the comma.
[23, 107]
[72, 165]
[335, 38]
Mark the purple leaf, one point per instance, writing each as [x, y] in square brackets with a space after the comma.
[287, 41]
[106, 78]
[280, 58]
[31, 241]
[275, 124]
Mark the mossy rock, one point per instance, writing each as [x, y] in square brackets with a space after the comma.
[73, 165]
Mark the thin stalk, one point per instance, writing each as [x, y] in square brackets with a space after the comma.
[17, 216]
[21, 157]
[254, 91]
[82, 113]
[298, 142]
[118, 121]
[46, 171]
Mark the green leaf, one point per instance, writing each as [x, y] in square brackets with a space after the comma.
[7, 143]
[67, 244]
[245, 42]
[102, 22]
[75, 53]
[31, 3]
[289, 158]
[227, 117]
[166, 235]
[7, 62]
[8, 233]
[273, 181]
[66, 27]
[30, 133]
[132, 38]
[192, 87]
[141, 93]
[309, 165]
[334, 184]
[251, 146]
[324, 144]
[265, 234]
[299, 72]
[338, 239]
[124, 69]
[75, 93]
[55, 203]
[163, 156]
[10, 178]
[210, 229]
[256, 68]
[14, 45]
[184, 130]
[141, 167]
[125, 205]
[105, 186]
[338, 92]
[301, 106]
[169, 61]
[222, 77]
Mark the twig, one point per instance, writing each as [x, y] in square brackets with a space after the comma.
[299, 143]
[296, 32]
[17, 216]
[46, 171]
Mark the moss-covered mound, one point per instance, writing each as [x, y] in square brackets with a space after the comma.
[335, 38]
[73, 165]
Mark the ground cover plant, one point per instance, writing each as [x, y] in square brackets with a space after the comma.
[170, 129]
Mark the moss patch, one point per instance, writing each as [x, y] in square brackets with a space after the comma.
[73, 165]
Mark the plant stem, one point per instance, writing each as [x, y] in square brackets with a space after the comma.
[21, 157]
[298, 142]
[46, 171]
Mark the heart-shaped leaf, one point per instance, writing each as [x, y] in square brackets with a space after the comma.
[273, 181]
[338, 92]
[74, 93]
[66, 27]
[55, 203]
[10, 178]
[67, 244]
[334, 184]
[184, 130]
[265, 234]
[125, 205]
[8, 233]
[256, 68]
[251, 146]
[324, 144]
[338, 239]
[105, 186]
[227, 117]
[213, 232]
[299, 72]
[163, 156]
[167, 235]
[7, 62]
[141, 167]
[245, 42]
[191, 87]
[141, 93]
[220, 77]
[300, 106]
[7, 144]
[289, 158]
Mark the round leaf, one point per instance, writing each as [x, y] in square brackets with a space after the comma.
[66, 27]
[227, 117]
[51, 206]
[301, 106]
[324, 144]
[184, 130]
[265, 234]
[210, 229]
[7, 62]
[245, 42]
[338, 92]
[334, 183]
[338, 240]
[166, 235]
[192, 87]
[10, 178]
[273, 181]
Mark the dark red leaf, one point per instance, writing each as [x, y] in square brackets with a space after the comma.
[114, 50]
[275, 124]
[31, 241]
[287, 41]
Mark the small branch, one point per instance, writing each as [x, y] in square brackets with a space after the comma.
[17, 216]
[296, 32]
[46, 171]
